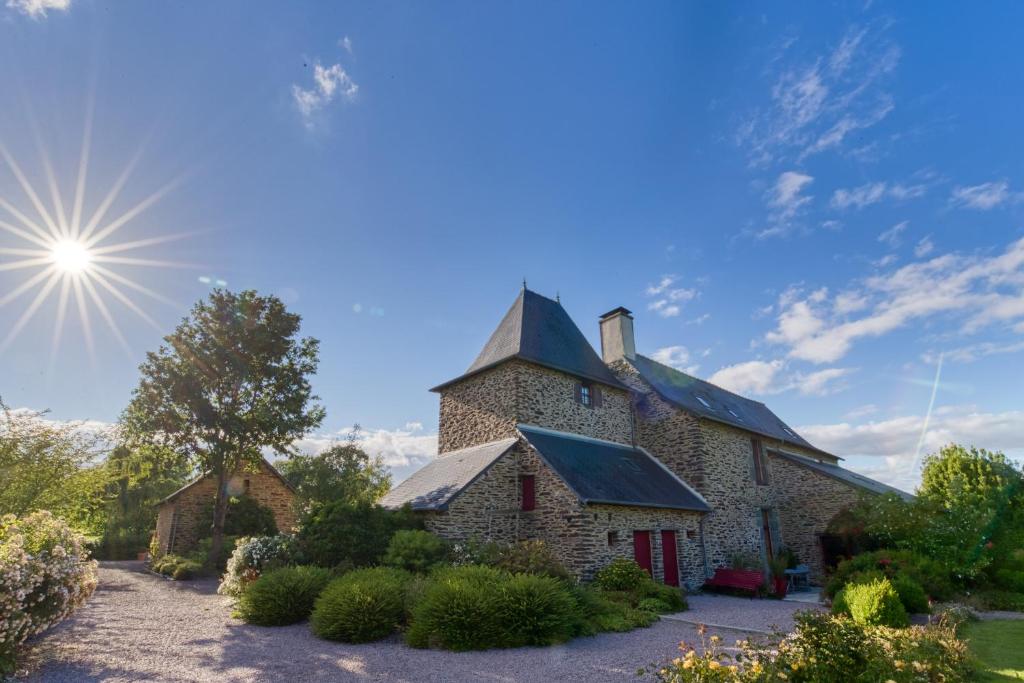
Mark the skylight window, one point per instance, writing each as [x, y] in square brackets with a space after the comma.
[704, 402]
[734, 413]
[788, 431]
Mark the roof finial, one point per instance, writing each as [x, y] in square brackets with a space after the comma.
[524, 283]
[558, 297]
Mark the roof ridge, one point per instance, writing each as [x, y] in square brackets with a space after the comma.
[576, 435]
[698, 379]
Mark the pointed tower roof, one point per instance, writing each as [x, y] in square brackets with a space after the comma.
[538, 330]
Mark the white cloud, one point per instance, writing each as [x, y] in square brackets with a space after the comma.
[982, 197]
[786, 195]
[699, 320]
[821, 382]
[328, 83]
[980, 291]
[346, 43]
[37, 9]
[972, 352]
[404, 447]
[872, 193]
[668, 300]
[924, 247]
[894, 235]
[816, 104]
[750, 377]
[898, 437]
[677, 357]
[862, 411]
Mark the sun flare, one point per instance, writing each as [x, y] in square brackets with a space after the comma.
[71, 256]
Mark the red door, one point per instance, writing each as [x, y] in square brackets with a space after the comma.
[642, 550]
[668, 552]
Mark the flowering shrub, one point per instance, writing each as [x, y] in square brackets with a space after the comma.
[826, 649]
[44, 576]
[621, 575]
[253, 556]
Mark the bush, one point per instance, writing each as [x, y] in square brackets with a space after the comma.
[654, 605]
[994, 599]
[929, 574]
[45, 574]
[459, 610]
[531, 557]
[251, 557]
[121, 544]
[177, 567]
[535, 610]
[351, 534]
[875, 603]
[361, 606]
[825, 649]
[912, 596]
[670, 595]
[201, 553]
[415, 550]
[1010, 579]
[621, 575]
[282, 596]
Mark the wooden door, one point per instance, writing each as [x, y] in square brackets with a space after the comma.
[642, 550]
[670, 558]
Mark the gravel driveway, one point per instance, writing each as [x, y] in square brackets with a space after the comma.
[141, 627]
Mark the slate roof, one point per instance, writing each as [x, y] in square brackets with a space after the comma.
[539, 330]
[433, 486]
[844, 475]
[611, 473]
[714, 403]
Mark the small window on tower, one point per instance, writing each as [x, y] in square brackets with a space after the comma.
[587, 395]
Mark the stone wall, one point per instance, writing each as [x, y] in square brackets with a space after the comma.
[490, 510]
[717, 460]
[181, 521]
[807, 501]
[487, 406]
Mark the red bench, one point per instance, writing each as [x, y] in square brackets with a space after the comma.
[742, 579]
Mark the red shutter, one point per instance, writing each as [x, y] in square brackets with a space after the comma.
[670, 558]
[529, 499]
[595, 393]
[642, 550]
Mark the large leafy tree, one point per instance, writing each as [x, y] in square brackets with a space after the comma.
[343, 472]
[49, 465]
[231, 381]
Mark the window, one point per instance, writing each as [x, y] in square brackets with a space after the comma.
[760, 466]
[704, 402]
[245, 486]
[527, 497]
[613, 538]
[587, 395]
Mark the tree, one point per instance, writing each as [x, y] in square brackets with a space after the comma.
[343, 472]
[231, 381]
[48, 465]
[969, 478]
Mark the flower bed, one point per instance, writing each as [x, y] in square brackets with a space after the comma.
[45, 574]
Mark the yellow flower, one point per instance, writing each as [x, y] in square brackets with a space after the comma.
[716, 639]
[713, 664]
[783, 676]
[688, 664]
[691, 654]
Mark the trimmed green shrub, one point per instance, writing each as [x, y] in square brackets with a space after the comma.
[415, 550]
[531, 557]
[282, 596]
[670, 595]
[361, 606]
[621, 575]
[875, 603]
[351, 534]
[599, 611]
[912, 596]
[929, 574]
[654, 605]
[459, 610]
[1010, 579]
[535, 610]
[177, 567]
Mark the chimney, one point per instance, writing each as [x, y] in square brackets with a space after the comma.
[617, 335]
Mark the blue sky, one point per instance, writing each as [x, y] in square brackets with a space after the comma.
[807, 204]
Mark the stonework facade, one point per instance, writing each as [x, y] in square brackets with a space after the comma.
[488, 405]
[743, 508]
[182, 518]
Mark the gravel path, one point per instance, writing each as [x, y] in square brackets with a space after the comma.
[141, 627]
[756, 616]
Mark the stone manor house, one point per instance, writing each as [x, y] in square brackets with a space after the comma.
[619, 456]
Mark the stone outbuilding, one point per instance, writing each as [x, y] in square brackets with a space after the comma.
[619, 456]
[182, 517]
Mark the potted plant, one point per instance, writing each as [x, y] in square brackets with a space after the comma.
[777, 566]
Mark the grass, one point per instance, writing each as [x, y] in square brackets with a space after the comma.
[997, 646]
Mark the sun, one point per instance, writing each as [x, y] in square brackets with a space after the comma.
[71, 256]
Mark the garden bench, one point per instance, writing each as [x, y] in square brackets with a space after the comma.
[742, 579]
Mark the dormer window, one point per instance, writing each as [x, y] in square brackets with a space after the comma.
[588, 395]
